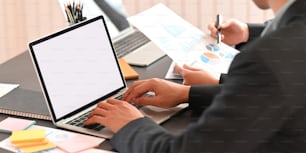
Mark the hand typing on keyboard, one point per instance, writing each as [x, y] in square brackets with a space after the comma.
[113, 110]
[80, 122]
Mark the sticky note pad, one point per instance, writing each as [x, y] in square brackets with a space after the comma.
[12, 124]
[48, 145]
[30, 144]
[76, 144]
[127, 71]
[27, 136]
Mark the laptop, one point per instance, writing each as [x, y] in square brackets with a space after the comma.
[77, 68]
[129, 43]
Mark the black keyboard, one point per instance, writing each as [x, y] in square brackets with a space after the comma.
[81, 119]
[130, 43]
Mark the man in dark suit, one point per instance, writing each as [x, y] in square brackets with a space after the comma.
[260, 107]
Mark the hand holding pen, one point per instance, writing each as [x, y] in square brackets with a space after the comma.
[218, 27]
[231, 32]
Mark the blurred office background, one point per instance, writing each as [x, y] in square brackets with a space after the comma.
[26, 20]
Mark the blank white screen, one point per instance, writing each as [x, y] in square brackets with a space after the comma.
[78, 67]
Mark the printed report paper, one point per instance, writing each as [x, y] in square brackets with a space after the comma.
[183, 42]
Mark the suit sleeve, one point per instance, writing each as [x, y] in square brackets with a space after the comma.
[254, 32]
[201, 96]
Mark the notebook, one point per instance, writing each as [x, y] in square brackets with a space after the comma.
[77, 68]
[129, 43]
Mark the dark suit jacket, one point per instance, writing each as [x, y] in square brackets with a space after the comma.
[254, 33]
[197, 95]
[260, 107]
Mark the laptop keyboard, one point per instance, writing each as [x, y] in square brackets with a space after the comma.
[130, 43]
[81, 119]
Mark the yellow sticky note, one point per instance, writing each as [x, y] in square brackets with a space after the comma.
[48, 145]
[27, 136]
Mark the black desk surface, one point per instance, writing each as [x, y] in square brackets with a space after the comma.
[19, 70]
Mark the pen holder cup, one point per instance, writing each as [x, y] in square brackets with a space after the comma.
[76, 21]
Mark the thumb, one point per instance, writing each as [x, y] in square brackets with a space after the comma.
[187, 67]
[144, 100]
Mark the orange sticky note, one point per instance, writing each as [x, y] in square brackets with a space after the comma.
[27, 136]
[127, 71]
[48, 145]
[12, 124]
[30, 144]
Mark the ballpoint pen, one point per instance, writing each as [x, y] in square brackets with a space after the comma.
[218, 23]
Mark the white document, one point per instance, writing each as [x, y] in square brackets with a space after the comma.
[6, 88]
[171, 74]
[183, 42]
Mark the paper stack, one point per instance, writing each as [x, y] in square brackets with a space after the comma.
[31, 140]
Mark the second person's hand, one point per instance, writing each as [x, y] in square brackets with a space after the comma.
[233, 31]
[195, 76]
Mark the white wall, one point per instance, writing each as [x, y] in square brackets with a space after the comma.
[203, 12]
[25, 20]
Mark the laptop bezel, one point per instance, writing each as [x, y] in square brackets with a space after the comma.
[41, 79]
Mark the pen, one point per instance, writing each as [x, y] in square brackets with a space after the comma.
[74, 12]
[218, 23]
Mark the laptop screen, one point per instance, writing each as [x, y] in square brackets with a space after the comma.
[77, 67]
